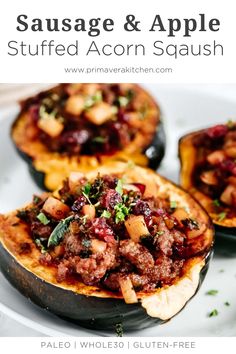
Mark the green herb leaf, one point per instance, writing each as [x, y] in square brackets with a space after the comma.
[159, 233]
[106, 214]
[119, 330]
[121, 212]
[36, 199]
[43, 219]
[40, 245]
[123, 101]
[216, 202]
[91, 100]
[212, 292]
[99, 139]
[119, 187]
[213, 313]
[222, 216]
[230, 124]
[227, 303]
[86, 190]
[59, 231]
[173, 204]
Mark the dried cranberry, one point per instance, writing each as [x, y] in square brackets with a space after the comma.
[159, 212]
[40, 230]
[102, 230]
[76, 137]
[140, 186]
[219, 131]
[110, 199]
[34, 112]
[228, 166]
[79, 203]
[110, 181]
[142, 208]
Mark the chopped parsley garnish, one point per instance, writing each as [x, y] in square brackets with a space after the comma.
[123, 101]
[227, 303]
[40, 245]
[212, 292]
[121, 212]
[159, 233]
[91, 100]
[213, 313]
[106, 214]
[119, 330]
[216, 202]
[99, 139]
[222, 216]
[86, 190]
[119, 187]
[43, 219]
[36, 199]
[173, 204]
[230, 124]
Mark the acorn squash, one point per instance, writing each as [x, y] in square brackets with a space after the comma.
[95, 305]
[208, 172]
[78, 127]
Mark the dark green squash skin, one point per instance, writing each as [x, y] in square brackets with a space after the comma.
[227, 233]
[154, 152]
[88, 311]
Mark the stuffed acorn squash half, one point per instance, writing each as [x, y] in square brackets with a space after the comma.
[119, 245]
[78, 127]
[208, 172]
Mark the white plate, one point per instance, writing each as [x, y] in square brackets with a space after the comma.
[185, 108]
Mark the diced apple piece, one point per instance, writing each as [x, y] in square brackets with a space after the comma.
[136, 227]
[74, 179]
[232, 180]
[127, 290]
[196, 232]
[75, 104]
[98, 246]
[89, 211]
[180, 214]
[169, 223]
[90, 89]
[231, 151]
[227, 195]
[72, 89]
[57, 251]
[100, 113]
[134, 119]
[50, 126]
[56, 208]
[209, 177]
[216, 157]
[130, 187]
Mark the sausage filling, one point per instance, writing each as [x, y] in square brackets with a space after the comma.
[111, 234]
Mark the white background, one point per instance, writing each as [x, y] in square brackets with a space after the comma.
[185, 69]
